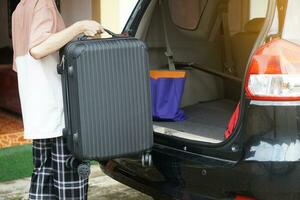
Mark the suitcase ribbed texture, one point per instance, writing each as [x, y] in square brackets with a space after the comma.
[113, 97]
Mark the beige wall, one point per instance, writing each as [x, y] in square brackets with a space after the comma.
[74, 10]
[112, 14]
[109, 16]
[258, 8]
[115, 13]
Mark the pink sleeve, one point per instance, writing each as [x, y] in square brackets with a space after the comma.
[43, 25]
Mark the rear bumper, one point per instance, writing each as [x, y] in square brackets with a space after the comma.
[157, 190]
[250, 178]
[117, 172]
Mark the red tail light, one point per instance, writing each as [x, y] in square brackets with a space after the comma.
[274, 72]
[243, 198]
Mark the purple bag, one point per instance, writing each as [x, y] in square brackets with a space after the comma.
[167, 89]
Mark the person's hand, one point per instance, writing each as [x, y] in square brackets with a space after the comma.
[89, 28]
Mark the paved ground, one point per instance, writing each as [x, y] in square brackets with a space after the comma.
[101, 188]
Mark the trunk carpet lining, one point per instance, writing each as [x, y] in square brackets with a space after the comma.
[207, 119]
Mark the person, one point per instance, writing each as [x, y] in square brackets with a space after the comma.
[38, 32]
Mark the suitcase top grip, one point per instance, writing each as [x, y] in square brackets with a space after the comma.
[114, 35]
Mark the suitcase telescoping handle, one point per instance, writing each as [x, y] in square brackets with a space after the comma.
[114, 35]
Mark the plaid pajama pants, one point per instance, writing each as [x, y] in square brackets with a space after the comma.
[51, 178]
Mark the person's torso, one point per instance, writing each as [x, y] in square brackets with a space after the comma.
[39, 84]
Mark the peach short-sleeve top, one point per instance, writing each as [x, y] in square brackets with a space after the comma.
[40, 90]
[33, 22]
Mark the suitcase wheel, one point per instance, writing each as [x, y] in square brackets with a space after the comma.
[84, 170]
[147, 159]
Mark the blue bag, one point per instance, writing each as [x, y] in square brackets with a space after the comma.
[167, 89]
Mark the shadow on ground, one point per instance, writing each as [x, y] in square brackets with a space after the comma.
[101, 187]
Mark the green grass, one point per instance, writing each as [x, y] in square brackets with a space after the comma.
[15, 162]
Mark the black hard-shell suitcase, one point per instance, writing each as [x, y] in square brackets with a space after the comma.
[106, 94]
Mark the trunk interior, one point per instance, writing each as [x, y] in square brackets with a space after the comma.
[211, 41]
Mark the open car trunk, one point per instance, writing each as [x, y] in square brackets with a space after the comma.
[212, 44]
